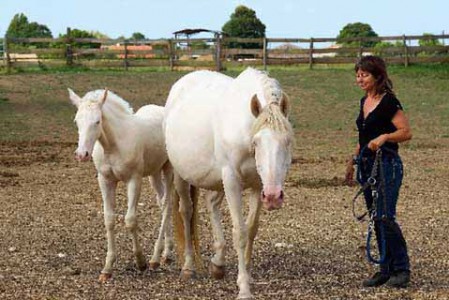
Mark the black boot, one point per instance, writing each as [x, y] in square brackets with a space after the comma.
[399, 279]
[377, 280]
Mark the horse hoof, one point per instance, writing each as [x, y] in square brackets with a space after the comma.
[154, 265]
[142, 268]
[104, 277]
[187, 275]
[166, 260]
[245, 296]
[217, 272]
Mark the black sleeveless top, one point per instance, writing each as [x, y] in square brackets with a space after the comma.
[378, 121]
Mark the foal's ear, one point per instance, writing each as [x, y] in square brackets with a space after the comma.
[285, 105]
[105, 95]
[256, 107]
[76, 100]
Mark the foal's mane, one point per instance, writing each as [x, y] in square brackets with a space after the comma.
[113, 101]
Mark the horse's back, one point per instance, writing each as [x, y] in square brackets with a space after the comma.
[191, 139]
[141, 149]
[199, 107]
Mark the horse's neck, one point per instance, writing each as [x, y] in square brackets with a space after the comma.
[113, 131]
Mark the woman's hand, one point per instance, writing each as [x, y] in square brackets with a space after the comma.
[349, 176]
[377, 142]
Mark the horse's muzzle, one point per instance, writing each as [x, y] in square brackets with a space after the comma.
[272, 200]
[82, 156]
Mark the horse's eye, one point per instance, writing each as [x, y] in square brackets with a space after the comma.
[98, 122]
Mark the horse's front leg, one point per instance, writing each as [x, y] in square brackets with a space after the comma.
[134, 186]
[233, 191]
[217, 267]
[165, 229]
[252, 222]
[108, 189]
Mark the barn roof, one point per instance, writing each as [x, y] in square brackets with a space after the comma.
[189, 31]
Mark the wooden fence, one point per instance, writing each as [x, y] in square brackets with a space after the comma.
[214, 53]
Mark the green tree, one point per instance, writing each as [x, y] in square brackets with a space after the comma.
[99, 35]
[137, 36]
[244, 24]
[81, 34]
[429, 40]
[20, 27]
[353, 30]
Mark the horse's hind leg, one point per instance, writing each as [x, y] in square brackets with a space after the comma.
[167, 212]
[158, 186]
[133, 189]
[108, 194]
[165, 228]
[214, 200]
[186, 212]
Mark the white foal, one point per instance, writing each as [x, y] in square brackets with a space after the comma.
[125, 147]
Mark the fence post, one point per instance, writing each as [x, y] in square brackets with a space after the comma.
[68, 48]
[404, 41]
[170, 54]
[311, 54]
[217, 52]
[6, 56]
[265, 52]
[125, 62]
[361, 47]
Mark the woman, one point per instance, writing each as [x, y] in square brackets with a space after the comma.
[382, 124]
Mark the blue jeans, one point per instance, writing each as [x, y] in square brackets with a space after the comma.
[396, 257]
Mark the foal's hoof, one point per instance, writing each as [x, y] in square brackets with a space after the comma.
[104, 277]
[154, 265]
[166, 260]
[217, 272]
[246, 295]
[187, 275]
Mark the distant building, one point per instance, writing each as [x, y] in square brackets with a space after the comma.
[134, 51]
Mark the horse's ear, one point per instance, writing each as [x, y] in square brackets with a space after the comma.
[76, 100]
[105, 95]
[256, 108]
[285, 105]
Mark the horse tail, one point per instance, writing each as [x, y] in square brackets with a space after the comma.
[178, 227]
[194, 231]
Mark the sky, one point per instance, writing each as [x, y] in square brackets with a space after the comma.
[283, 18]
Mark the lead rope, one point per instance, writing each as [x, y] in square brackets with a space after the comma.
[372, 211]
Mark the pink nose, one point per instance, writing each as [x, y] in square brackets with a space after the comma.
[272, 199]
[82, 155]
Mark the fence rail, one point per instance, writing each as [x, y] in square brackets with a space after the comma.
[215, 53]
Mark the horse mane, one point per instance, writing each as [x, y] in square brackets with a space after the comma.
[268, 89]
[113, 101]
[272, 117]
[269, 93]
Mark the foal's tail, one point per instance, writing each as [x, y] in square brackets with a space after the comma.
[178, 227]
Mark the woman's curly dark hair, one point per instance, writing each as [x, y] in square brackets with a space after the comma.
[376, 67]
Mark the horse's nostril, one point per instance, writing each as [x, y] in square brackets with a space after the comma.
[282, 195]
[87, 154]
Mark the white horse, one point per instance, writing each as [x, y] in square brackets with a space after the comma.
[125, 147]
[226, 135]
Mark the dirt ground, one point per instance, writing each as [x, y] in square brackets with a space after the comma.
[53, 245]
